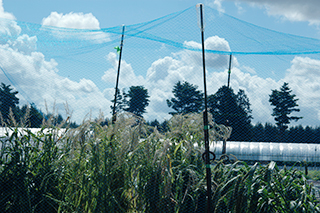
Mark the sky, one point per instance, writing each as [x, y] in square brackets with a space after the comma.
[287, 16]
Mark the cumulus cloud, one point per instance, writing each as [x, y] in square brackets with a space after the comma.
[212, 60]
[34, 75]
[165, 72]
[258, 90]
[24, 44]
[293, 10]
[72, 20]
[186, 65]
[36, 78]
[161, 77]
[76, 21]
[303, 77]
[216, 4]
[4, 14]
[127, 75]
[8, 27]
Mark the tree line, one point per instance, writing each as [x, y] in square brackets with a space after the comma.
[11, 114]
[228, 108]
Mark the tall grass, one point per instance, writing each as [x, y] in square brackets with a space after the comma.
[131, 167]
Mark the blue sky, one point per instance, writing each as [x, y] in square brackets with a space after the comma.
[287, 16]
[115, 13]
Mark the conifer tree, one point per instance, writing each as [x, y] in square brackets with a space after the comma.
[232, 110]
[187, 98]
[284, 104]
[8, 100]
[136, 100]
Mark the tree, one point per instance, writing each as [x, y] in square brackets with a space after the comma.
[120, 104]
[232, 110]
[186, 99]
[138, 100]
[8, 100]
[258, 133]
[284, 104]
[35, 117]
[270, 133]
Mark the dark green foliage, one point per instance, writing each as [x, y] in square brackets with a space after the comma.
[29, 173]
[232, 110]
[284, 104]
[155, 123]
[138, 100]
[242, 188]
[295, 134]
[54, 120]
[258, 133]
[120, 168]
[34, 117]
[187, 99]
[28, 116]
[120, 102]
[161, 127]
[8, 100]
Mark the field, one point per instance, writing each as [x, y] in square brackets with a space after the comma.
[131, 167]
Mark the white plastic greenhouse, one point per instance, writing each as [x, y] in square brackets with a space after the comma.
[264, 151]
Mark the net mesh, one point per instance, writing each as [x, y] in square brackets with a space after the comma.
[79, 66]
[151, 158]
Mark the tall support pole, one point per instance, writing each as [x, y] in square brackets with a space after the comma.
[224, 145]
[205, 116]
[229, 71]
[114, 116]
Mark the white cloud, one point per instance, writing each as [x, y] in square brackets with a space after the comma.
[164, 73]
[212, 60]
[4, 14]
[72, 20]
[127, 76]
[239, 7]
[293, 10]
[76, 21]
[8, 27]
[257, 90]
[24, 44]
[303, 77]
[249, 69]
[161, 77]
[215, 4]
[37, 79]
[34, 75]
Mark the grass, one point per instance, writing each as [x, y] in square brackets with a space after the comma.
[313, 175]
[131, 167]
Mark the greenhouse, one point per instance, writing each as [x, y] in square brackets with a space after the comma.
[266, 152]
